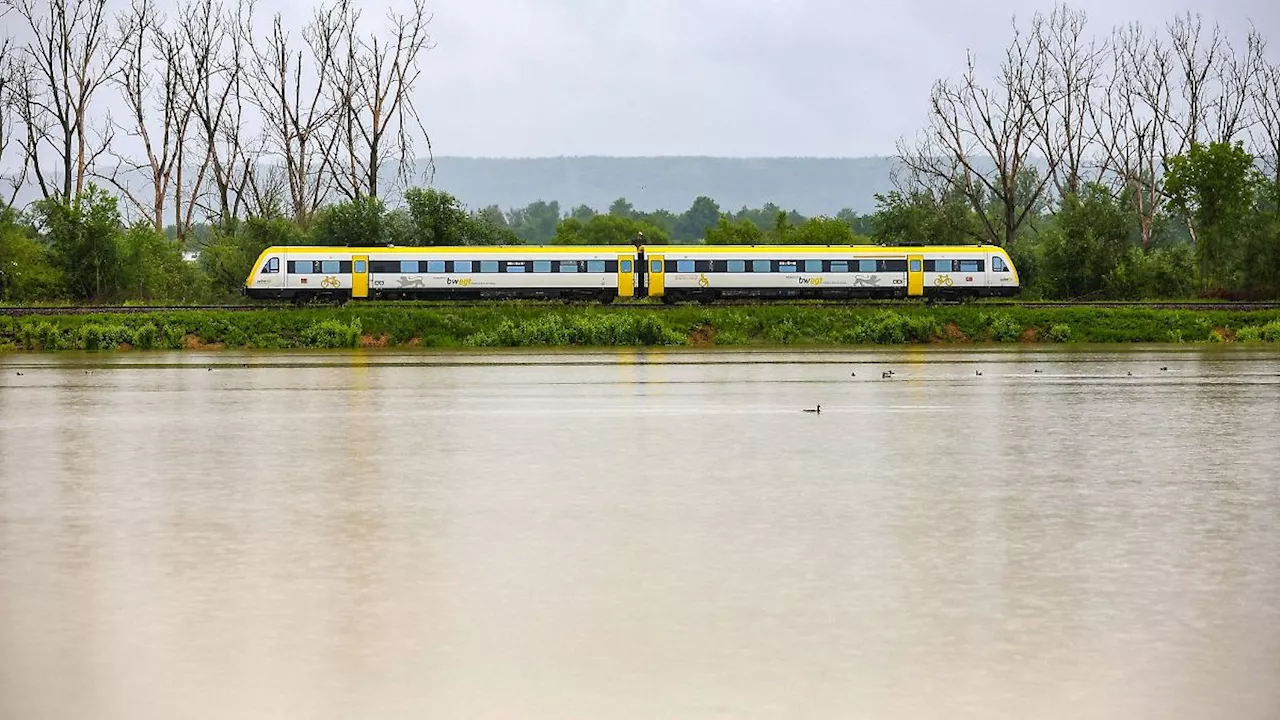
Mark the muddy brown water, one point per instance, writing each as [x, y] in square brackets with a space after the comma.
[641, 534]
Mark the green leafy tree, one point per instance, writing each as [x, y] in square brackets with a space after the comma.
[152, 268]
[582, 213]
[704, 213]
[437, 217]
[622, 208]
[1216, 188]
[824, 231]
[728, 231]
[26, 274]
[82, 233]
[356, 222]
[1090, 236]
[918, 218]
[536, 222]
[608, 230]
[862, 225]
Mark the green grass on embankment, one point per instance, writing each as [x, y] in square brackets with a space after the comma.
[554, 325]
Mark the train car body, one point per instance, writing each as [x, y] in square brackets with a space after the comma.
[858, 271]
[301, 273]
[672, 272]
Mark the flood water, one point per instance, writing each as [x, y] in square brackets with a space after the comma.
[641, 534]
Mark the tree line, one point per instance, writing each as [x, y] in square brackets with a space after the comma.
[1140, 163]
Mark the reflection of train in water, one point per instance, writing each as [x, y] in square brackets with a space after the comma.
[672, 272]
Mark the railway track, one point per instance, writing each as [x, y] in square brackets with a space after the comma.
[133, 310]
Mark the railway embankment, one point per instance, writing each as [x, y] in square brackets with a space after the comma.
[558, 325]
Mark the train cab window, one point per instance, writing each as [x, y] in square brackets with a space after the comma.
[540, 266]
[462, 266]
[915, 266]
[839, 266]
[624, 266]
[272, 266]
[997, 265]
[813, 266]
[866, 266]
[596, 266]
[568, 266]
[761, 265]
[968, 266]
[684, 266]
[488, 266]
[736, 266]
[330, 267]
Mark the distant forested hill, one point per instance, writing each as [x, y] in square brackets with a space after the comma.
[812, 186]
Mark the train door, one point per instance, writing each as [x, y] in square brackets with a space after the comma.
[915, 275]
[626, 276]
[360, 276]
[657, 278]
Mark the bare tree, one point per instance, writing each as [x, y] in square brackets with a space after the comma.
[159, 113]
[70, 57]
[298, 117]
[10, 77]
[1129, 121]
[1062, 90]
[1267, 104]
[372, 84]
[981, 140]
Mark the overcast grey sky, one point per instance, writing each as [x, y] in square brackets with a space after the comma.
[718, 77]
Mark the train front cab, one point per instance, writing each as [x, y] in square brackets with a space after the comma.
[268, 276]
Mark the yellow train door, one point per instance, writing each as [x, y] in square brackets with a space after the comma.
[657, 279]
[915, 275]
[360, 276]
[626, 276]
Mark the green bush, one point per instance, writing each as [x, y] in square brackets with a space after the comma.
[1059, 333]
[332, 334]
[94, 336]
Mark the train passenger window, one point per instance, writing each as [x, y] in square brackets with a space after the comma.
[435, 266]
[761, 265]
[736, 266]
[360, 266]
[541, 266]
[330, 267]
[487, 266]
[839, 266]
[915, 265]
[703, 266]
[568, 266]
[866, 266]
[408, 266]
[892, 265]
[515, 267]
[596, 266]
[272, 266]
[462, 265]
[787, 265]
[624, 266]
[684, 266]
[997, 265]
[813, 266]
[967, 266]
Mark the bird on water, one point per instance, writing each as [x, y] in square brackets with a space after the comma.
[978, 373]
[817, 409]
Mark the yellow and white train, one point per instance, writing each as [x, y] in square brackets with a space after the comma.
[672, 272]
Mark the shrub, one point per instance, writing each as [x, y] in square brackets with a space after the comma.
[94, 336]
[332, 334]
[1059, 333]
